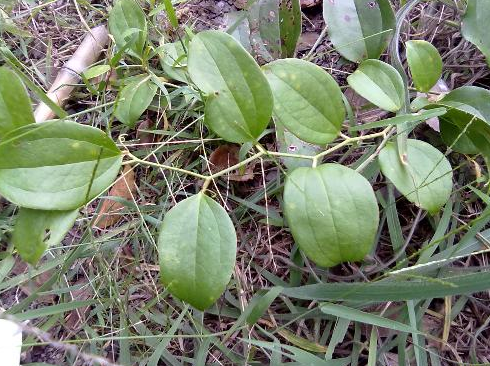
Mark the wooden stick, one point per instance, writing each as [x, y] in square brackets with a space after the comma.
[87, 53]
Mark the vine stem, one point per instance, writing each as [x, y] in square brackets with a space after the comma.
[365, 163]
[137, 160]
[349, 141]
[261, 152]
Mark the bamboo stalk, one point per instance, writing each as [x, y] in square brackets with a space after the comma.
[87, 53]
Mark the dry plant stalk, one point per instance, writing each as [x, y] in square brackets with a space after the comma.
[87, 53]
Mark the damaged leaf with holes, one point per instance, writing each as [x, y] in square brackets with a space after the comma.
[275, 26]
[37, 230]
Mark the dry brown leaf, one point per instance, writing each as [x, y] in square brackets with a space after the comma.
[307, 41]
[247, 175]
[77, 317]
[224, 157]
[145, 137]
[110, 212]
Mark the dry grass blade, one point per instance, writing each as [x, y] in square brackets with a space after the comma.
[76, 318]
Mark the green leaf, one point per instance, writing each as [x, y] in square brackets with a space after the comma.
[425, 180]
[466, 125]
[57, 165]
[256, 307]
[359, 29]
[425, 64]
[392, 290]
[260, 303]
[300, 89]
[125, 19]
[8, 25]
[197, 249]
[134, 100]
[332, 213]
[54, 309]
[15, 105]
[96, 71]
[275, 28]
[19, 69]
[173, 59]
[173, 54]
[239, 103]
[475, 24]
[301, 342]
[366, 318]
[37, 230]
[169, 9]
[237, 25]
[379, 83]
[288, 143]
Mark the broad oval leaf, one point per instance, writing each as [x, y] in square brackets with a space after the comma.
[359, 29]
[332, 213]
[307, 100]
[57, 165]
[466, 125]
[425, 180]
[197, 250]
[425, 64]
[127, 20]
[37, 230]
[239, 103]
[379, 83]
[134, 100]
[15, 105]
[474, 26]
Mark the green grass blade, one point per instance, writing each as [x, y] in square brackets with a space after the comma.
[367, 318]
[404, 118]
[54, 309]
[393, 290]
